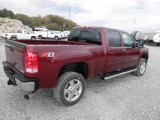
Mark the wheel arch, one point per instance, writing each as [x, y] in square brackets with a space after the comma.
[145, 56]
[13, 36]
[79, 67]
[56, 36]
[33, 37]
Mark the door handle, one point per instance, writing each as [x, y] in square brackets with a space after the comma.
[111, 52]
[125, 50]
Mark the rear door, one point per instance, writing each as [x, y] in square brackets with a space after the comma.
[114, 56]
[50, 34]
[130, 51]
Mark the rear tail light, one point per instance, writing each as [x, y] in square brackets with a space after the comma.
[31, 62]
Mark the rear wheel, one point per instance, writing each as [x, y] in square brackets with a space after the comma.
[56, 38]
[158, 44]
[70, 88]
[141, 67]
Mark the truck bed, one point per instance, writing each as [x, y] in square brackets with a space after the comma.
[16, 50]
[47, 42]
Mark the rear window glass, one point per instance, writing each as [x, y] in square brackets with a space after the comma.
[85, 35]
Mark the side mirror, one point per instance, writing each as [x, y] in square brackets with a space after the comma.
[140, 43]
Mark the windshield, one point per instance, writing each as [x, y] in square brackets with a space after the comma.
[85, 35]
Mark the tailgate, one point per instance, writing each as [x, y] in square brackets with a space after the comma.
[15, 54]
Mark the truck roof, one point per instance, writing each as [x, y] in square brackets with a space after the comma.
[96, 27]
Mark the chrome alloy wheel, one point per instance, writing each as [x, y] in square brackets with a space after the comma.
[73, 90]
[142, 67]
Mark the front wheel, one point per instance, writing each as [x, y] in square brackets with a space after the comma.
[70, 88]
[13, 38]
[40, 37]
[33, 38]
[141, 67]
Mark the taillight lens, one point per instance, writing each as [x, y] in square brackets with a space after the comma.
[31, 62]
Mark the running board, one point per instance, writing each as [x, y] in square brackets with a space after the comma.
[119, 74]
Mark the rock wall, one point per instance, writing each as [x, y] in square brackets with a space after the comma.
[12, 25]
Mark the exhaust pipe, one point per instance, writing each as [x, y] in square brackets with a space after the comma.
[26, 97]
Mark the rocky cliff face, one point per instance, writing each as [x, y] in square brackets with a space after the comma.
[12, 25]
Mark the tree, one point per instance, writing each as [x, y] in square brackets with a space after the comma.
[47, 19]
[37, 21]
[6, 13]
[26, 20]
[53, 26]
[63, 23]
[53, 22]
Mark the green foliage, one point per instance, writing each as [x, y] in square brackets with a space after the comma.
[63, 23]
[26, 20]
[36, 21]
[53, 26]
[52, 22]
[6, 13]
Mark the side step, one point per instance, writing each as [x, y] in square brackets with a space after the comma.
[119, 74]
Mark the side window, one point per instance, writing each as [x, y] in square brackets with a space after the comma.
[90, 36]
[75, 33]
[114, 39]
[25, 32]
[128, 41]
[85, 35]
[19, 31]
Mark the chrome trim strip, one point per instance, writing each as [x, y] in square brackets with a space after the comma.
[123, 73]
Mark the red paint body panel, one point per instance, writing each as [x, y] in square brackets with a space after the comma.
[100, 58]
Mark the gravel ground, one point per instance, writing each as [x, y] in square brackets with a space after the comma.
[124, 98]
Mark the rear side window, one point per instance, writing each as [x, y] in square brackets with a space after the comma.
[74, 33]
[85, 35]
[114, 39]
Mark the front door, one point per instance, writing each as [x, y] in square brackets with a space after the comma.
[130, 51]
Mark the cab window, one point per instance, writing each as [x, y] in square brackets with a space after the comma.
[114, 39]
[127, 40]
[85, 35]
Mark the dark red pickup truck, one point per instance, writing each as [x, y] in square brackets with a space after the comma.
[65, 65]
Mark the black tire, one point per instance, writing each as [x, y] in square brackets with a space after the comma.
[142, 63]
[33, 38]
[158, 44]
[40, 36]
[56, 38]
[13, 38]
[63, 82]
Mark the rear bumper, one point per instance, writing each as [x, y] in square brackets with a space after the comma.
[18, 79]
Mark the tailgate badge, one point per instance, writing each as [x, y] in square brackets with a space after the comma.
[47, 55]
